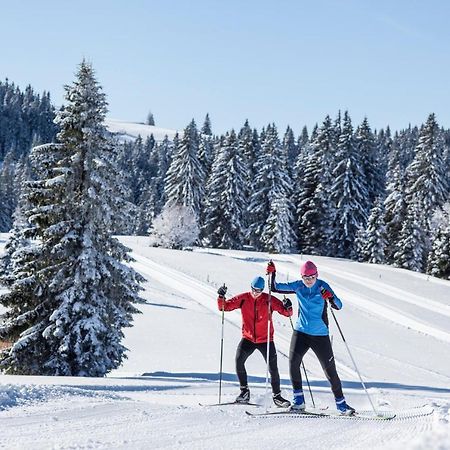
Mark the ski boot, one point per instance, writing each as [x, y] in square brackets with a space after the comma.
[244, 396]
[298, 403]
[343, 408]
[280, 401]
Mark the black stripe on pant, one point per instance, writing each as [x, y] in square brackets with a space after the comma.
[245, 349]
[321, 346]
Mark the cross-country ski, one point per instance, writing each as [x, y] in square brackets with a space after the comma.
[230, 403]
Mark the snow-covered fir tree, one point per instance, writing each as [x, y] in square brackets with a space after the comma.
[276, 233]
[366, 149]
[426, 177]
[18, 240]
[349, 194]
[75, 294]
[249, 148]
[8, 200]
[383, 146]
[407, 140]
[313, 192]
[185, 179]
[206, 145]
[152, 198]
[307, 212]
[206, 127]
[261, 185]
[395, 202]
[290, 147]
[225, 201]
[412, 247]
[302, 143]
[371, 243]
[438, 263]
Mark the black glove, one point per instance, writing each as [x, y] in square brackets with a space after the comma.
[287, 303]
[222, 291]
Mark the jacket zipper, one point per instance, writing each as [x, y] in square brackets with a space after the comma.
[254, 320]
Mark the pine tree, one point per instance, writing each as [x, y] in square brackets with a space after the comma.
[290, 147]
[426, 177]
[438, 263]
[206, 128]
[206, 152]
[78, 293]
[349, 194]
[366, 149]
[8, 200]
[248, 147]
[225, 202]
[164, 158]
[185, 179]
[372, 243]
[261, 184]
[17, 241]
[411, 246]
[270, 204]
[383, 148]
[313, 186]
[395, 203]
[278, 235]
[302, 141]
[307, 213]
[150, 119]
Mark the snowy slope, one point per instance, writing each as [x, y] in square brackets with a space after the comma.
[131, 130]
[397, 325]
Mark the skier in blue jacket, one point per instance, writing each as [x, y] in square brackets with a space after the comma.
[311, 331]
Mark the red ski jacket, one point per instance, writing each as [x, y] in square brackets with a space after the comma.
[254, 314]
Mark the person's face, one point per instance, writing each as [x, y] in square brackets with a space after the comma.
[309, 280]
[256, 292]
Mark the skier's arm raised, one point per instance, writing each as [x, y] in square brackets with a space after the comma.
[283, 288]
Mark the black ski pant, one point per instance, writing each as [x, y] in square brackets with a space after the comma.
[245, 349]
[321, 346]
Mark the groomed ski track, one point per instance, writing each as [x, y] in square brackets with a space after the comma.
[332, 434]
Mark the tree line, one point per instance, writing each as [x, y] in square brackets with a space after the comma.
[347, 192]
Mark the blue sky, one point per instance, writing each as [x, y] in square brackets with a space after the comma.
[288, 62]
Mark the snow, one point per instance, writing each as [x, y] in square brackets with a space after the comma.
[131, 130]
[395, 322]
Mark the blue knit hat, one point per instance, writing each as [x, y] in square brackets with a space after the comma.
[258, 283]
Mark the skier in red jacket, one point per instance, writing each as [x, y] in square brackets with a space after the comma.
[255, 315]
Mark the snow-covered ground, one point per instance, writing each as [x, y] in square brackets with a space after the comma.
[396, 323]
[131, 130]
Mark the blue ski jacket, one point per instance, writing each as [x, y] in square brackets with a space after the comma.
[312, 308]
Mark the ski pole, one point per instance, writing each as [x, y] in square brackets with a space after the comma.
[221, 351]
[354, 363]
[304, 370]
[268, 339]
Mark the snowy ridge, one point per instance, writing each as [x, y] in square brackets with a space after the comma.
[173, 365]
[131, 130]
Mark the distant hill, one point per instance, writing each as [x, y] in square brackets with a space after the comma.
[131, 130]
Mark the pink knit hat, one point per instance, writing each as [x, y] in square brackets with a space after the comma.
[308, 268]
